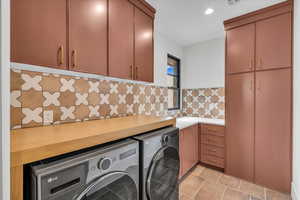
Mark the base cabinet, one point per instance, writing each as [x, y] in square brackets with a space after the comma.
[212, 145]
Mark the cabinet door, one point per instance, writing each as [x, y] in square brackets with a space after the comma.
[121, 39]
[273, 129]
[38, 32]
[88, 36]
[240, 125]
[194, 132]
[189, 148]
[143, 46]
[240, 49]
[274, 42]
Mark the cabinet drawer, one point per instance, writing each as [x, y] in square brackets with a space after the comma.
[212, 130]
[212, 150]
[213, 140]
[214, 161]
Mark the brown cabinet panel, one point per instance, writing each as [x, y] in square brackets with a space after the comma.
[212, 130]
[211, 150]
[212, 160]
[274, 42]
[88, 36]
[212, 140]
[143, 46]
[121, 39]
[240, 125]
[273, 129]
[38, 32]
[240, 49]
[188, 148]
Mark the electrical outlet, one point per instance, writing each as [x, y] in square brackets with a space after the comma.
[48, 117]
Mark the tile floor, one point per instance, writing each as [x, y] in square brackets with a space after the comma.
[206, 184]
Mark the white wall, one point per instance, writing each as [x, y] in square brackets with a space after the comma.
[296, 152]
[163, 47]
[4, 100]
[204, 64]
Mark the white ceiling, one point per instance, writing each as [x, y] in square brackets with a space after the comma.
[184, 22]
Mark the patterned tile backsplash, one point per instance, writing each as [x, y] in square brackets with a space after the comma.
[39, 99]
[43, 99]
[204, 102]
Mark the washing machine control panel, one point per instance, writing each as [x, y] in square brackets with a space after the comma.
[104, 164]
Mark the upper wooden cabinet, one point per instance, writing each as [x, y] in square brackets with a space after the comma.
[274, 42]
[91, 36]
[38, 32]
[88, 36]
[121, 39]
[240, 49]
[144, 52]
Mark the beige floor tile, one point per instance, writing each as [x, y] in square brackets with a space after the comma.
[254, 198]
[273, 195]
[230, 181]
[184, 197]
[211, 176]
[210, 191]
[252, 189]
[197, 171]
[190, 186]
[231, 194]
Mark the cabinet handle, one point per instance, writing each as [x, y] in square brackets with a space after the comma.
[131, 72]
[136, 73]
[61, 55]
[259, 86]
[260, 63]
[251, 85]
[212, 151]
[73, 58]
[251, 63]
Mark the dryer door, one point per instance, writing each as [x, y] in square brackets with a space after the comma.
[113, 186]
[162, 180]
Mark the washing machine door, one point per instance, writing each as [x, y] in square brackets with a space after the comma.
[113, 186]
[162, 180]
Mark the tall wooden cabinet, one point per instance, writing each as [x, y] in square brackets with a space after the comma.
[259, 98]
[273, 128]
[240, 125]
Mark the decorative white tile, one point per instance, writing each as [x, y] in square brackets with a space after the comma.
[31, 82]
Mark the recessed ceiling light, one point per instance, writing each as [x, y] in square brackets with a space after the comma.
[209, 11]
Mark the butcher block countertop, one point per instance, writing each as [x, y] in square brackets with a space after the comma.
[33, 144]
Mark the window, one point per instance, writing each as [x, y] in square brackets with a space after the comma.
[173, 78]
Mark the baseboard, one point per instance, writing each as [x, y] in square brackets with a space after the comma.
[295, 194]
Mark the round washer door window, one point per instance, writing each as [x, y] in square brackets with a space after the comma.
[162, 181]
[113, 186]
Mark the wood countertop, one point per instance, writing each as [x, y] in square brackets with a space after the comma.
[33, 144]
